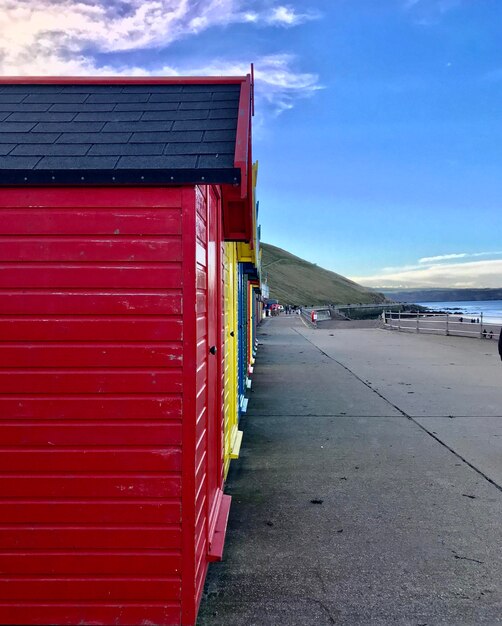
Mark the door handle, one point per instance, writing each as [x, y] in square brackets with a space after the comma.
[212, 350]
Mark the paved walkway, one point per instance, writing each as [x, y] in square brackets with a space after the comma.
[369, 485]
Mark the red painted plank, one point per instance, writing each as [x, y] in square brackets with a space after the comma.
[131, 197]
[68, 249]
[56, 537]
[201, 413]
[91, 486]
[89, 355]
[218, 539]
[28, 434]
[201, 255]
[200, 203]
[201, 422]
[201, 278]
[141, 328]
[90, 461]
[120, 614]
[27, 302]
[201, 327]
[87, 408]
[202, 350]
[201, 376]
[200, 497]
[200, 229]
[85, 381]
[84, 221]
[57, 512]
[80, 276]
[201, 302]
[128, 564]
[70, 589]
[201, 459]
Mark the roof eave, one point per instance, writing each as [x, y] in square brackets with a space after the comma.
[122, 80]
[120, 177]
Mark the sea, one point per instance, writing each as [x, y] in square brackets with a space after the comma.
[491, 309]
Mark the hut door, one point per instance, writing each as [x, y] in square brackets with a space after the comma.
[214, 419]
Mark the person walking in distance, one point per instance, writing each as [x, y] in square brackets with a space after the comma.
[500, 343]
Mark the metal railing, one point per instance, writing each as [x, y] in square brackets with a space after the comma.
[473, 325]
[323, 314]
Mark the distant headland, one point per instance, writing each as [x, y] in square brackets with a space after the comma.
[442, 295]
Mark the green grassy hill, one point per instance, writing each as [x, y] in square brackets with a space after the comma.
[295, 281]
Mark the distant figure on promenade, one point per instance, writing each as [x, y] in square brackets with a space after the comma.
[484, 333]
[500, 343]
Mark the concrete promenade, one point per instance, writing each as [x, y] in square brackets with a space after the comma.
[369, 485]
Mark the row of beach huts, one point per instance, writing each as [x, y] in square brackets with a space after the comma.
[130, 296]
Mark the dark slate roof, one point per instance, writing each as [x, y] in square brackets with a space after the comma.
[109, 134]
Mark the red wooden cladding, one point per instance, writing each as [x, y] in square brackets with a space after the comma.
[125, 564]
[81, 329]
[91, 588]
[201, 231]
[92, 408]
[201, 303]
[37, 275]
[201, 279]
[89, 486]
[90, 302]
[123, 612]
[98, 537]
[91, 355]
[98, 433]
[85, 381]
[200, 254]
[45, 198]
[104, 221]
[200, 330]
[132, 512]
[201, 415]
[90, 249]
[90, 460]
[109, 461]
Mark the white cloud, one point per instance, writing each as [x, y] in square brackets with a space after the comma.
[479, 274]
[442, 257]
[287, 16]
[456, 255]
[69, 37]
[276, 82]
[70, 26]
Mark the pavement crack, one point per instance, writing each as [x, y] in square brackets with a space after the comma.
[404, 414]
[466, 558]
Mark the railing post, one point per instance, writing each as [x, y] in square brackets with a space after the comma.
[418, 322]
[399, 320]
[447, 325]
[481, 326]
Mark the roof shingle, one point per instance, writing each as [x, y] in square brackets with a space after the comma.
[119, 133]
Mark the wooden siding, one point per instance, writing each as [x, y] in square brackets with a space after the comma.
[201, 392]
[230, 351]
[91, 405]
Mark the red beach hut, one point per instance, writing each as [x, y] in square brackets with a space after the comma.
[115, 198]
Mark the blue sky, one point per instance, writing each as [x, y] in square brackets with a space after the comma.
[378, 127]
